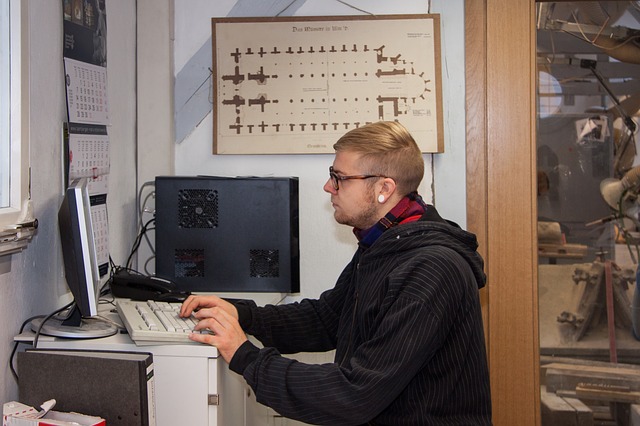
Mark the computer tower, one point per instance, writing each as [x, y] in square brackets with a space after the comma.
[228, 234]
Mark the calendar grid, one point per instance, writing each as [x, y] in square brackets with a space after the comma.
[86, 92]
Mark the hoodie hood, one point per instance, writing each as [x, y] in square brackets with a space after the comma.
[439, 232]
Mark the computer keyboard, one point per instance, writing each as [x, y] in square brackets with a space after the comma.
[152, 321]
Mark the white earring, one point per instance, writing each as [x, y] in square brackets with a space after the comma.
[381, 198]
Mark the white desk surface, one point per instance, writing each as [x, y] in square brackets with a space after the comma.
[185, 373]
[122, 341]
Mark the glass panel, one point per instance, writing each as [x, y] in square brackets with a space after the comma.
[5, 104]
[588, 211]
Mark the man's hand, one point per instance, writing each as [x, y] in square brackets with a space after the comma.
[195, 303]
[218, 316]
[227, 334]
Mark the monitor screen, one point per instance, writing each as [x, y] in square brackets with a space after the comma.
[78, 247]
[80, 267]
[228, 234]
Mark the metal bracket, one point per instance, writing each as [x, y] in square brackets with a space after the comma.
[213, 399]
[13, 240]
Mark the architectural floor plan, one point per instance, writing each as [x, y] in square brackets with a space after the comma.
[290, 86]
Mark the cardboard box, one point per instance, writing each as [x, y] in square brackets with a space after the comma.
[17, 414]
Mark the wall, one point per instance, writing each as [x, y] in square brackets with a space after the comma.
[325, 246]
[34, 284]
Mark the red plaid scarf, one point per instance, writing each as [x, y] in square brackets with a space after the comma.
[409, 209]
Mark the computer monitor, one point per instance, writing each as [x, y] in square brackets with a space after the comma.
[81, 269]
[228, 234]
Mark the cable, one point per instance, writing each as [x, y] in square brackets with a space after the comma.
[141, 209]
[146, 237]
[143, 228]
[15, 346]
[146, 264]
[47, 318]
[136, 243]
[109, 321]
[605, 48]
[602, 27]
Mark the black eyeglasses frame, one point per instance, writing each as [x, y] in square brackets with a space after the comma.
[336, 178]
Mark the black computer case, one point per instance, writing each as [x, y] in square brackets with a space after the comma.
[228, 234]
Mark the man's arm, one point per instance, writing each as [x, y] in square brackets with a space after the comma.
[427, 343]
[355, 393]
[306, 326]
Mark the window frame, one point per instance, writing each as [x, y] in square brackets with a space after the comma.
[19, 191]
[5, 90]
[13, 236]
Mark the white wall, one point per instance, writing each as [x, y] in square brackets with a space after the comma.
[178, 35]
[326, 246]
[34, 284]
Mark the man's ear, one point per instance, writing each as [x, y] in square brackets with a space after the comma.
[388, 188]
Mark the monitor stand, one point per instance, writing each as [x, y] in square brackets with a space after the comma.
[74, 326]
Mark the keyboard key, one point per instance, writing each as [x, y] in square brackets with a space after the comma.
[153, 321]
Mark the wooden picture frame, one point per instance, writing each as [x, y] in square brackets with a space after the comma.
[294, 85]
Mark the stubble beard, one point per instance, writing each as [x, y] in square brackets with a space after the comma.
[364, 219]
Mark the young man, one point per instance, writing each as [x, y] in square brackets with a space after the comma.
[404, 316]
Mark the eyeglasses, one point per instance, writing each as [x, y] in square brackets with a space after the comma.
[335, 178]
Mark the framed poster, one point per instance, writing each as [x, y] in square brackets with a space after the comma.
[294, 85]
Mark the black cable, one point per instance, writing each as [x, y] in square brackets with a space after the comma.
[142, 210]
[138, 240]
[15, 346]
[112, 265]
[146, 263]
[47, 318]
[145, 230]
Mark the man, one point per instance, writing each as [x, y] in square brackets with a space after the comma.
[404, 316]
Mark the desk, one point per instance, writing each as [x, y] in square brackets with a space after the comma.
[192, 385]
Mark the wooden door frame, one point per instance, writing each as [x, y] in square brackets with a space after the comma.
[501, 203]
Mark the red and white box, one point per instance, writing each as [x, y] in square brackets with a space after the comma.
[17, 414]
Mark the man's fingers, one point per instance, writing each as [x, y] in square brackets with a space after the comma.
[213, 318]
[207, 338]
[187, 306]
[194, 303]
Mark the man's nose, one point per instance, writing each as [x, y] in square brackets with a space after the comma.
[328, 187]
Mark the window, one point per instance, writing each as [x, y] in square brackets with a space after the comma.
[5, 93]
[14, 131]
[587, 203]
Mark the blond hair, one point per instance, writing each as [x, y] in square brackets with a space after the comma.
[388, 149]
